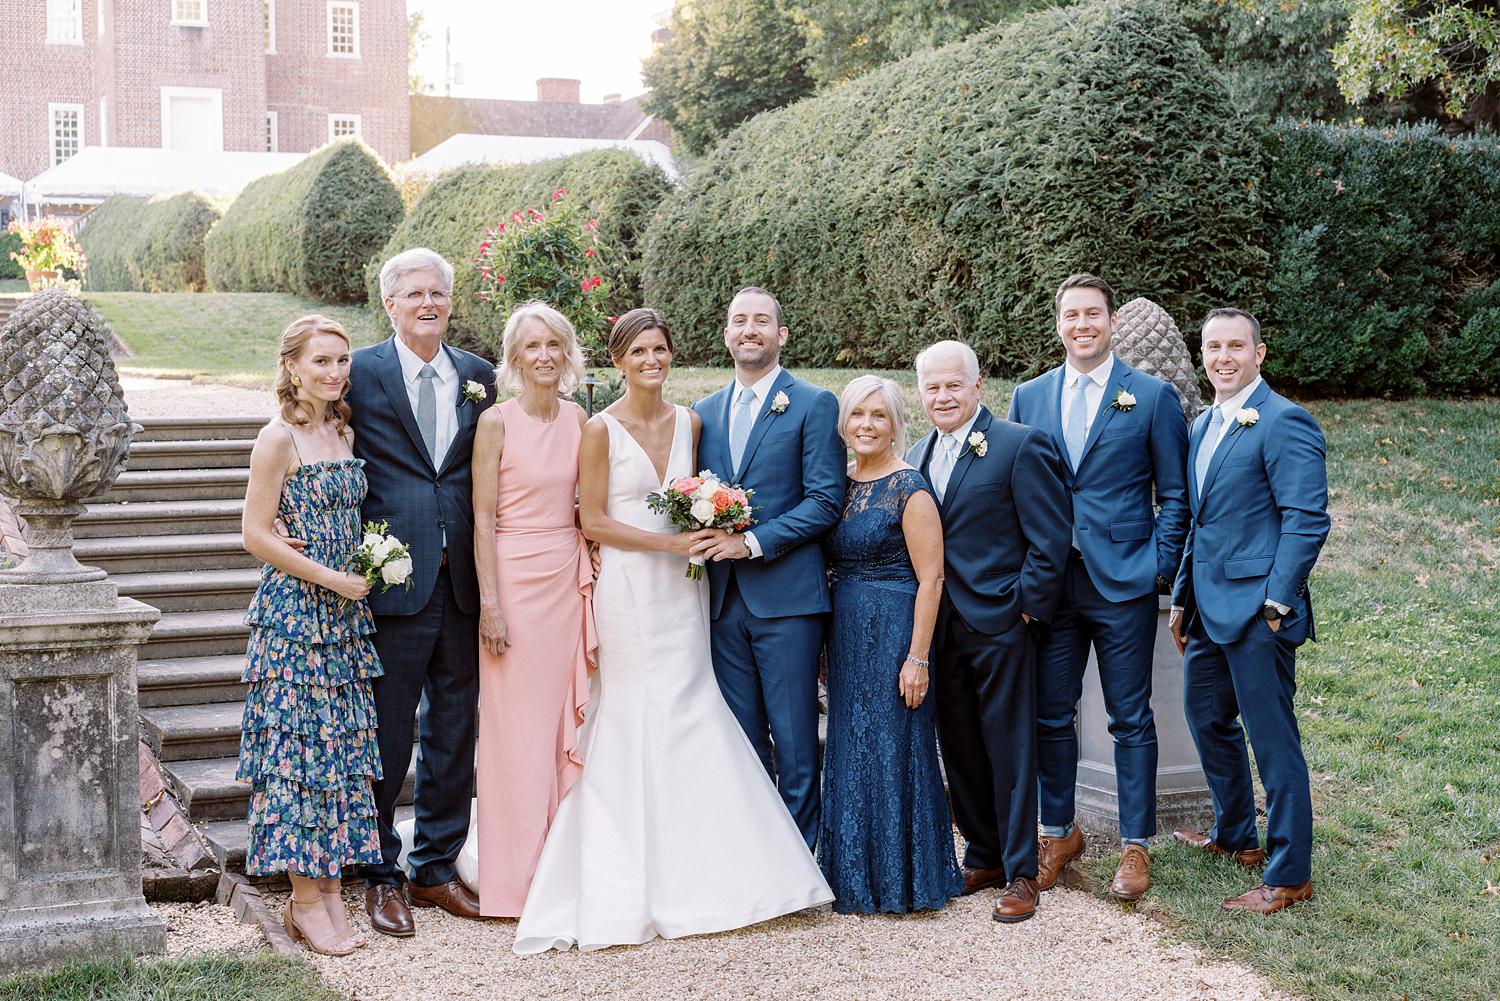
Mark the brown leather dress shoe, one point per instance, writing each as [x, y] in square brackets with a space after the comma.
[1269, 899]
[1053, 856]
[388, 912]
[1018, 901]
[977, 879]
[1133, 877]
[1247, 857]
[452, 896]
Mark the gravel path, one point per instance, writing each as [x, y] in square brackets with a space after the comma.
[183, 398]
[206, 927]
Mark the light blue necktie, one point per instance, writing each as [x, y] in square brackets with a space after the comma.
[1075, 431]
[1208, 444]
[942, 469]
[427, 411]
[739, 426]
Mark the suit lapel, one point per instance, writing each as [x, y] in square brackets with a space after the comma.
[981, 424]
[721, 437]
[764, 418]
[395, 389]
[1231, 439]
[463, 409]
[1107, 410]
[1199, 432]
[1054, 412]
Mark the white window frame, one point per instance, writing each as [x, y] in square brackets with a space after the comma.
[353, 5]
[358, 132]
[270, 27]
[167, 93]
[55, 23]
[273, 132]
[201, 21]
[52, 111]
[103, 121]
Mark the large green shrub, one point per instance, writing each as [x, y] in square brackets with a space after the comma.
[1384, 250]
[948, 194]
[308, 230]
[147, 244]
[10, 243]
[615, 187]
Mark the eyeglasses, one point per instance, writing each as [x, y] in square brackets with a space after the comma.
[416, 296]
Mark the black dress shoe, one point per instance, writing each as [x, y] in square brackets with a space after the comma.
[389, 913]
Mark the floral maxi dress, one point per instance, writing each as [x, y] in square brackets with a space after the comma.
[307, 742]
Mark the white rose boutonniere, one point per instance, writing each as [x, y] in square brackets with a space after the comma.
[977, 444]
[1123, 402]
[474, 391]
[779, 403]
[1248, 417]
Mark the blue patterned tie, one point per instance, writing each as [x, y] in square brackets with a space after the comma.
[1208, 444]
[739, 426]
[1075, 431]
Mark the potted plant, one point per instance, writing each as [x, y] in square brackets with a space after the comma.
[47, 249]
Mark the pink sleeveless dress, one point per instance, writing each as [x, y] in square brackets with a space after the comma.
[532, 697]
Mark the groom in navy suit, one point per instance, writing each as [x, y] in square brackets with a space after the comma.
[414, 428]
[777, 435]
[1005, 545]
[1124, 441]
[1241, 606]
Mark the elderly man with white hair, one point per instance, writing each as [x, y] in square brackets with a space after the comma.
[1007, 524]
[416, 402]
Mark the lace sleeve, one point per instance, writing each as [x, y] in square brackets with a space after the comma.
[907, 483]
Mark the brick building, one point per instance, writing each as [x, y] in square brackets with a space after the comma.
[274, 75]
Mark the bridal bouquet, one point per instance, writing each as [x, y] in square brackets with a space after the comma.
[702, 501]
[382, 558]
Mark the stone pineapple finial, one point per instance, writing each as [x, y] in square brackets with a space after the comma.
[64, 429]
[1148, 339]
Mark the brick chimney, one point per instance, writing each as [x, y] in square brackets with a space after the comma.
[556, 90]
[611, 98]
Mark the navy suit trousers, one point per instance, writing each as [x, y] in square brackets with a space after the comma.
[431, 660]
[1252, 680]
[1123, 635]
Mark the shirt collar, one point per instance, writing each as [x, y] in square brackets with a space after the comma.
[1237, 402]
[411, 364]
[762, 387]
[1099, 375]
[961, 434]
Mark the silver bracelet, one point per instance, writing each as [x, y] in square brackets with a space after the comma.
[919, 661]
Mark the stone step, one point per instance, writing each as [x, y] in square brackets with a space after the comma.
[228, 453]
[207, 790]
[139, 554]
[193, 517]
[227, 839]
[199, 428]
[197, 634]
[181, 733]
[191, 590]
[176, 484]
[182, 681]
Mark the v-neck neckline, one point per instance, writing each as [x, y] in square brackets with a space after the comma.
[661, 479]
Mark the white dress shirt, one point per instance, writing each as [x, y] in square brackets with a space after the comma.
[444, 387]
[1093, 390]
[762, 391]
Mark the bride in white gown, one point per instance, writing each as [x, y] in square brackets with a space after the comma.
[674, 828]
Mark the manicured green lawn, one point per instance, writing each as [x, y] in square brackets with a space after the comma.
[265, 977]
[222, 337]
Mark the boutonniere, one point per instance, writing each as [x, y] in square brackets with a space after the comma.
[1248, 417]
[977, 444]
[779, 403]
[1123, 402]
[474, 391]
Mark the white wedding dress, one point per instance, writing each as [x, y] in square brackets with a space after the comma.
[674, 828]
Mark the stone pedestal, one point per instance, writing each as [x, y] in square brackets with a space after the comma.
[1181, 792]
[70, 849]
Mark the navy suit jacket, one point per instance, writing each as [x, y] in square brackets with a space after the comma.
[1006, 527]
[794, 461]
[1259, 522]
[1129, 458]
[420, 501]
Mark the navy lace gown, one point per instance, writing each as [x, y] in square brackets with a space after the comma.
[886, 842]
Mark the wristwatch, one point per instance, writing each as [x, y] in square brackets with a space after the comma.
[1271, 613]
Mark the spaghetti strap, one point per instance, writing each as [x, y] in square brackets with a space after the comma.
[293, 436]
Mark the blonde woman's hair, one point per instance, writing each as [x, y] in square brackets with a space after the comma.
[890, 398]
[508, 374]
[294, 341]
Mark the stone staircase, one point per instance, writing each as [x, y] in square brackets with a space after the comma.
[168, 533]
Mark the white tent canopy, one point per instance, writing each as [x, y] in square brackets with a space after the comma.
[9, 186]
[96, 172]
[467, 147]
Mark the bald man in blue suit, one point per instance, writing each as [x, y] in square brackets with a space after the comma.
[1258, 487]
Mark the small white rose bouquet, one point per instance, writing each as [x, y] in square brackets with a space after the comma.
[702, 501]
[382, 558]
[474, 391]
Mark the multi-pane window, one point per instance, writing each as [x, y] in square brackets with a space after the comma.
[271, 27]
[342, 125]
[272, 140]
[189, 11]
[65, 21]
[99, 17]
[343, 29]
[67, 130]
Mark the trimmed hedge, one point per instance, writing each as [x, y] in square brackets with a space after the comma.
[9, 242]
[1385, 260]
[308, 230]
[948, 194]
[147, 244]
[618, 188]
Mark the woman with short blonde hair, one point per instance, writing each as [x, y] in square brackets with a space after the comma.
[510, 375]
[858, 390]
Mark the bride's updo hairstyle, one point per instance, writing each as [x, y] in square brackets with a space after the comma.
[632, 325]
[294, 340]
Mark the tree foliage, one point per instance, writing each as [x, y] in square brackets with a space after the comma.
[727, 61]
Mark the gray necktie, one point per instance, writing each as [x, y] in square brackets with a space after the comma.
[946, 459]
[1208, 444]
[427, 410]
[1075, 430]
[739, 426]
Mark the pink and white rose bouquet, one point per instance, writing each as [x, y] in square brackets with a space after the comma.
[703, 501]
